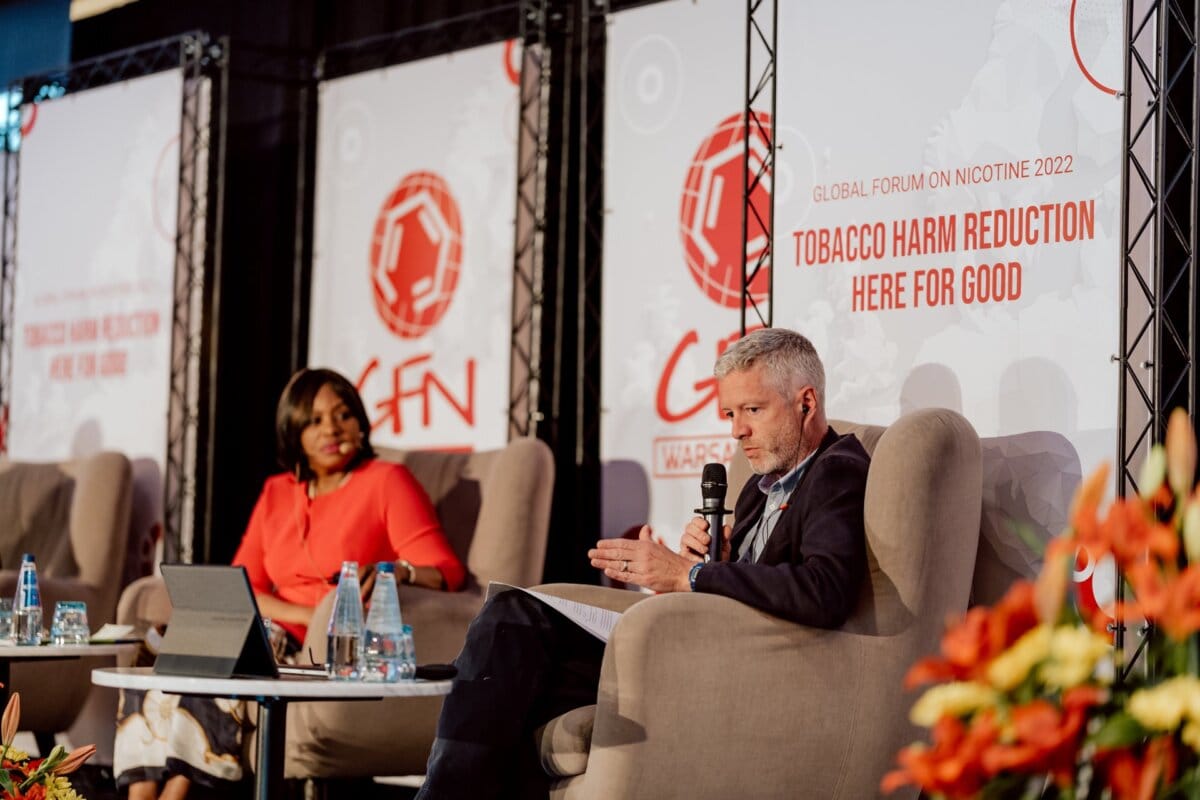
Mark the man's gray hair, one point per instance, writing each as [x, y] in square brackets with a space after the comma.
[790, 360]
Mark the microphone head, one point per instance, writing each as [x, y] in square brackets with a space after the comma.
[345, 447]
[713, 485]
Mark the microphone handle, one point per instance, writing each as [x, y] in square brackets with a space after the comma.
[715, 518]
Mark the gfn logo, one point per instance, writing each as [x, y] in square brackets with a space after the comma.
[416, 252]
[710, 216]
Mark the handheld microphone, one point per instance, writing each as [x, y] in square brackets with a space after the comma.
[713, 485]
[345, 447]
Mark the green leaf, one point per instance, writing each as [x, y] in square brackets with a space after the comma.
[1188, 785]
[1029, 537]
[1119, 730]
[1004, 787]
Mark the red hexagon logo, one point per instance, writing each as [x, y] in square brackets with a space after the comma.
[710, 215]
[416, 252]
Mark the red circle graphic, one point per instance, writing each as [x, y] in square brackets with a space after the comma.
[512, 62]
[1079, 59]
[28, 123]
[416, 252]
[710, 214]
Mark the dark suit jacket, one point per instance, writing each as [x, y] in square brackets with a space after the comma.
[813, 564]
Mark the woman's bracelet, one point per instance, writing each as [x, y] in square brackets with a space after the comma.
[412, 571]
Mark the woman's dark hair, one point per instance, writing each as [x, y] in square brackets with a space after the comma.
[295, 410]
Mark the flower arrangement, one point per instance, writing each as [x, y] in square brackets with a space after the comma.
[25, 778]
[1029, 699]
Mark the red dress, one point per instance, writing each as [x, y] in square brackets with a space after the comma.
[294, 546]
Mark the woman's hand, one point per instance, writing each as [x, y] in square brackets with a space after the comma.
[366, 581]
[282, 611]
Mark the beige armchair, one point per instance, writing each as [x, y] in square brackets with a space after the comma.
[74, 517]
[703, 697]
[495, 509]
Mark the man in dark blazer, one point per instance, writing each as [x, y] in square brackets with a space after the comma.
[797, 551]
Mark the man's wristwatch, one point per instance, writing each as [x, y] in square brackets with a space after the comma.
[692, 573]
[412, 571]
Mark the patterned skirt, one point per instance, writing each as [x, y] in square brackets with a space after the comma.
[160, 735]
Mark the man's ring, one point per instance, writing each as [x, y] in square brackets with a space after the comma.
[625, 566]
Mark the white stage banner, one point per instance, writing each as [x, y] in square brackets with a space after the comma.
[948, 218]
[413, 253]
[673, 255]
[96, 222]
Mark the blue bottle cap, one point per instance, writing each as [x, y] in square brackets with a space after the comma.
[386, 566]
[27, 557]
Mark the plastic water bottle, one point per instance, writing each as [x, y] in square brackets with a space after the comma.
[27, 605]
[383, 643]
[346, 627]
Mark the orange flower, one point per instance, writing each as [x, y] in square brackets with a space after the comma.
[1137, 776]
[1046, 739]
[10, 720]
[979, 636]
[75, 760]
[1180, 615]
[1129, 533]
[1055, 579]
[952, 765]
[1087, 500]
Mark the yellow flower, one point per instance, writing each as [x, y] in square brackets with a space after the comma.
[59, 788]
[1074, 652]
[954, 699]
[1191, 530]
[15, 754]
[1013, 665]
[1191, 735]
[1154, 470]
[1162, 707]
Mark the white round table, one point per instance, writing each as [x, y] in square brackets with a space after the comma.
[272, 695]
[10, 652]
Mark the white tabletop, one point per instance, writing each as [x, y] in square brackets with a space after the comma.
[13, 652]
[290, 689]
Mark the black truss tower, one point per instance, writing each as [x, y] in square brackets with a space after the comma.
[762, 18]
[1159, 235]
[526, 373]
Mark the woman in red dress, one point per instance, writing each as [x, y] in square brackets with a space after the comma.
[336, 502]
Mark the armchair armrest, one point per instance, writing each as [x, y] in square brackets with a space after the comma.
[144, 603]
[699, 662]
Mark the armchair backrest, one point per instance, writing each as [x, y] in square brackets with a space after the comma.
[73, 515]
[921, 514]
[483, 499]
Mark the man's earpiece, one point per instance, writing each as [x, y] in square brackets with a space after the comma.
[805, 409]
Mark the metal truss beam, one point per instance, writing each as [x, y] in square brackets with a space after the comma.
[525, 416]
[1159, 237]
[758, 208]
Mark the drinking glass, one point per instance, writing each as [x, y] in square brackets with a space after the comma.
[70, 624]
